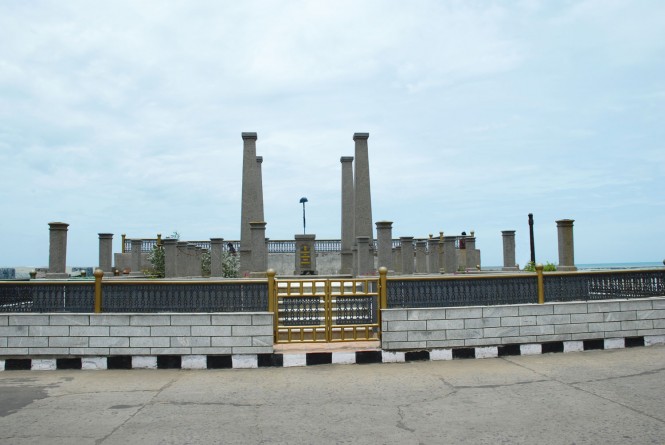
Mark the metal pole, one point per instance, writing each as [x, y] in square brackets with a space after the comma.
[303, 200]
[533, 249]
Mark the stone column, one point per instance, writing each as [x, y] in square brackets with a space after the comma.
[57, 252]
[252, 200]
[449, 254]
[259, 249]
[441, 250]
[182, 266]
[347, 215]
[564, 228]
[509, 263]
[191, 260]
[305, 258]
[421, 256]
[170, 257]
[198, 257]
[384, 239]
[406, 243]
[216, 253]
[259, 186]
[433, 255]
[354, 254]
[365, 260]
[137, 244]
[397, 259]
[472, 259]
[106, 253]
[362, 194]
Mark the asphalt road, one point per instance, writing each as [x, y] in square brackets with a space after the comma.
[594, 397]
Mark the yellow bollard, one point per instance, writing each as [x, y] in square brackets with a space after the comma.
[98, 290]
[272, 300]
[541, 284]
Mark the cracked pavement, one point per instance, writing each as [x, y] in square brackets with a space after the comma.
[608, 397]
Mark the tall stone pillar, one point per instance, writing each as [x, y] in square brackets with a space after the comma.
[137, 244]
[259, 186]
[216, 253]
[106, 253]
[362, 194]
[433, 255]
[564, 228]
[57, 251]
[170, 257]
[365, 259]
[472, 259]
[259, 249]
[421, 256]
[305, 258]
[509, 263]
[384, 238]
[347, 215]
[449, 254]
[406, 242]
[252, 199]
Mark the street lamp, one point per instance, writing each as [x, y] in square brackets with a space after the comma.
[303, 200]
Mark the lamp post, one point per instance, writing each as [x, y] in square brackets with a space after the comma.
[303, 200]
[533, 249]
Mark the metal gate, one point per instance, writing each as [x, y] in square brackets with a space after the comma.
[326, 310]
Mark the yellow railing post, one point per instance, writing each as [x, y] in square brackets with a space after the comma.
[159, 239]
[272, 300]
[123, 243]
[383, 291]
[98, 290]
[541, 284]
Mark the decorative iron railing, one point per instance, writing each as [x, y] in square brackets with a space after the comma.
[252, 295]
[603, 285]
[461, 291]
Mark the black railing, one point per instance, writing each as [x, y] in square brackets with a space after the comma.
[461, 291]
[604, 285]
[47, 297]
[252, 295]
[185, 297]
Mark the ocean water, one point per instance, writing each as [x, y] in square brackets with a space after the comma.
[606, 266]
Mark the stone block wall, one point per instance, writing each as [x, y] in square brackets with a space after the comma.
[409, 329]
[135, 334]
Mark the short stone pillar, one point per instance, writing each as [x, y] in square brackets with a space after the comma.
[397, 259]
[259, 249]
[216, 255]
[421, 256]
[182, 266]
[433, 255]
[509, 250]
[564, 229]
[191, 260]
[57, 252]
[449, 254]
[305, 258]
[472, 257]
[137, 244]
[198, 258]
[441, 249]
[365, 258]
[406, 242]
[106, 253]
[170, 257]
[384, 239]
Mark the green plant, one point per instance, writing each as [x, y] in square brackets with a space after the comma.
[205, 263]
[230, 265]
[547, 267]
[157, 259]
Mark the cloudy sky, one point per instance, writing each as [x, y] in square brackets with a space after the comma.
[126, 117]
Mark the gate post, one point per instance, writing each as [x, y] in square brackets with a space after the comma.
[99, 273]
[272, 303]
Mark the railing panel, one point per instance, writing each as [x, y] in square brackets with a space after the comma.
[604, 285]
[450, 292]
[185, 297]
[47, 297]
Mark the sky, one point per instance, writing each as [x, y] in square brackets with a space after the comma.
[126, 117]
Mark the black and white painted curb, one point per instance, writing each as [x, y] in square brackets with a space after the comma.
[317, 358]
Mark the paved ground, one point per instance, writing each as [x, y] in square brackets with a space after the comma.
[597, 397]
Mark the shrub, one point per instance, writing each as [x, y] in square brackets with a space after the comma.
[547, 267]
